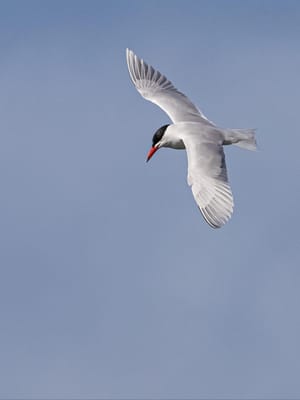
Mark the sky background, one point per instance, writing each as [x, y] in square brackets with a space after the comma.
[111, 284]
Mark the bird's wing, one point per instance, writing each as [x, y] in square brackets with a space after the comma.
[155, 87]
[207, 176]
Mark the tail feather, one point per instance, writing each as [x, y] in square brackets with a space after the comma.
[244, 138]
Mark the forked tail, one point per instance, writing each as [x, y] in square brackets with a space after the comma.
[244, 138]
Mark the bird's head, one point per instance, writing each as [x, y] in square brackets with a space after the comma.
[157, 141]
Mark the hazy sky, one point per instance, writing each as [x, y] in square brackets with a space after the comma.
[111, 284]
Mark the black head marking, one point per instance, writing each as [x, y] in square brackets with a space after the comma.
[159, 134]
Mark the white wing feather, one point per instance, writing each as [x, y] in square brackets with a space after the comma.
[207, 176]
[155, 87]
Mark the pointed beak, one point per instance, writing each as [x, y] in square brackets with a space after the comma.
[151, 152]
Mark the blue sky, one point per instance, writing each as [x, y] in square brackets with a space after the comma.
[111, 284]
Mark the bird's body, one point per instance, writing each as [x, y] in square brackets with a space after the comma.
[191, 130]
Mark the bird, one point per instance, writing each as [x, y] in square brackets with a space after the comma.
[200, 137]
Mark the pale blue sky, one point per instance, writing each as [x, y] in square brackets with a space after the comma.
[111, 284]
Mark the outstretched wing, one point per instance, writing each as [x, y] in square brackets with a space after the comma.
[155, 87]
[207, 176]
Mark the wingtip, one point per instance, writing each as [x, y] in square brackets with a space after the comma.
[129, 56]
[129, 51]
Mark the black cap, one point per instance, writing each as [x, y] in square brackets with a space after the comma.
[159, 134]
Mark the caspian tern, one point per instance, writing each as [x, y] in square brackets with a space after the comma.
[202, 139]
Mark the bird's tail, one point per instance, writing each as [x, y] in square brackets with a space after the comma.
[244, 138]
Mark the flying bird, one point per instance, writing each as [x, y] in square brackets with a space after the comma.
[200, 137]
